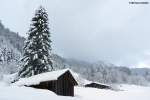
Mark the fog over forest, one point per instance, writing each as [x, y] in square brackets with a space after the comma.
[89, 30]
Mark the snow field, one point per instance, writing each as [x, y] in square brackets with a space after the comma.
[129, 92]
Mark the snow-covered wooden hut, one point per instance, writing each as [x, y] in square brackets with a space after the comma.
[98, 85]
[61, 82]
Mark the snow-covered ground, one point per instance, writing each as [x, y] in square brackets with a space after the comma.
[129, 92]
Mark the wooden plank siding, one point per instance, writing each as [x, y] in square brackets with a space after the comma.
[65, 85]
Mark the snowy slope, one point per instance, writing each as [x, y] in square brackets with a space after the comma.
[4, 43]
[10, 50]
[9, 56]
[14, 38]
[130, 92]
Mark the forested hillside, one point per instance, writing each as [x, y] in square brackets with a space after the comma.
[11, 45]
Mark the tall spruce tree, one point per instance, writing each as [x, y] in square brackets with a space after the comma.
[37, 47]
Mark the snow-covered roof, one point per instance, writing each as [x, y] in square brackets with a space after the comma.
[36, 79]
[90, 82]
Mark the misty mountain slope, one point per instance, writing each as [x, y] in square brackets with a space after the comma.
[14, 39]
[141, 71]
[9, 56]
[104, 72]
[11, 45]
[5, 43]
[10, 50]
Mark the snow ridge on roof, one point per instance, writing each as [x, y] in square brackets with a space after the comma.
[36, 79]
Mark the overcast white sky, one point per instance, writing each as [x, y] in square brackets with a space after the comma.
[91, 30]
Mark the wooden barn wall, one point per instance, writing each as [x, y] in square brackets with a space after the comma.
[50, 85]
[65, 85]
